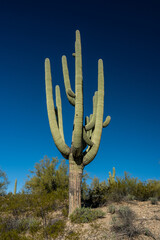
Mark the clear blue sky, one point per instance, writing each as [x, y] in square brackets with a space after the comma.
[126, 35]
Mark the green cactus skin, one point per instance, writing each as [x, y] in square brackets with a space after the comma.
[58, 139]
[83, 136]
[59, 111]
[91, 124]
[15, 187]
[67, 81]
[107, 121]
[111, 179]
[78, 117]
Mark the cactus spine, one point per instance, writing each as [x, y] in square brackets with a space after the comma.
[85, 135]
[15, 187]
[111, 179]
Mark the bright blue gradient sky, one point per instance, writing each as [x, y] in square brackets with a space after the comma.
[126, 35]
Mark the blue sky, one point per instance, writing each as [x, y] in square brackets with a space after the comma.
[126, 35]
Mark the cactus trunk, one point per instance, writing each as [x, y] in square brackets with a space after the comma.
[15, 187]
[85, 136]
[75, 180]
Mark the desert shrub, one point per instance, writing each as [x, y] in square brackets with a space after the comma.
[72, 236]
[142, 193]
[148, 233]
[153, 200]
[145, 190]
[97, 194]
[154, 188]
[12, 235]
[85, 215]
[55, 229]
[132, 188]
[48, 176]
[111, 209]
[129, 197]
[65, 210]
[3, 183]
[18, 225]
[32, 224]
[17, 204]
[122, 188]
[123, 223]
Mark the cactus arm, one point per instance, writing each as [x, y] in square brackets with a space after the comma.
[59, 111]
[67, 81]
[89, 156]
[59, 142]
[114, 171]
[71, 93]
[86, 122]
[111, 179]
[86, 138]
[92, 130]
[107, 121]
[78, 117]
[91, 124]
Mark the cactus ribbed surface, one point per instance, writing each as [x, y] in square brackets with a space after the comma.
[87, 134]
[111, 179]
[15, 187]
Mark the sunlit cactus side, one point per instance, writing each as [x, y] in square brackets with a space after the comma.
[15, 187]
[111, 179]
[85, 136]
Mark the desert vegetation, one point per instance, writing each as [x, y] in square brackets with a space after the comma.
[40, 209]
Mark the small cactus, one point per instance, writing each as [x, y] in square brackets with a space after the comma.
[111, 179]
[15, 187]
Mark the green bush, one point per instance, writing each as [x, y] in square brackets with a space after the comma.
[12, 235]
[129, 197]
[123, 222]
[3, 183]
[111, 209]
[97, 194]
[153, 200]
[49, 175]
[55, 229]
[19, 225]
[65, 211]
[72, 236]
[85, 215]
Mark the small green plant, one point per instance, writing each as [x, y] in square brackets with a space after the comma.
[123, 223]
[153, 200]
[129, 197]
[72, 236]
[54, 230]
[111, 209]
[33, 225]
[3, 183]
[12, 235]
[147, 233]
[97, 194]
[65, 211]
[85, 215]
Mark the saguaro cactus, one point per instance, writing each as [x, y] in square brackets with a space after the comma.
[15, 187]
[111, 179]
[87, 134]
